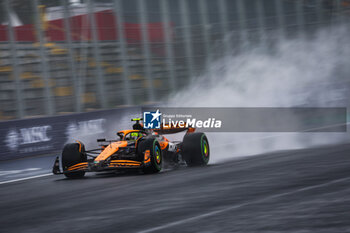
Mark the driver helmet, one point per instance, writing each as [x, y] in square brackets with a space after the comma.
[134, 135]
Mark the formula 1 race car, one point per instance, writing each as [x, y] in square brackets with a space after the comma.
[139, 148]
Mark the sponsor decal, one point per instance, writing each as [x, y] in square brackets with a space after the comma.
[17, 138]
[89, 127]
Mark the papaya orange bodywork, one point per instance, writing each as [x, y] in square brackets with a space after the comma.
[79, 142]
[110, 150]
[125, 163]
[78, 166]
[147, 157]
[163, 144]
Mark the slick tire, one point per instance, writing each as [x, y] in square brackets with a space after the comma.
[195, 149]
[73, 153]
[156, 158]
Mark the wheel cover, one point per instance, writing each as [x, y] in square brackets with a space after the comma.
[205, 148]
[157, 154]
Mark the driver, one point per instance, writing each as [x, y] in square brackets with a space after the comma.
[133, 136]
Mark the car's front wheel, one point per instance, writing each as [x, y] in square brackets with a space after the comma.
[149, 149]
[72, 154]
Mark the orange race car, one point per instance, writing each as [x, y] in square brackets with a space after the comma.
[138, 148]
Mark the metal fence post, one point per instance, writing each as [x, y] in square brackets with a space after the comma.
[146, 49]
[340, 19]
[168, 43]
[118, 16]
[280, 19]
[205, 28]
[44, 59]
[99, 73]
[83, 53]
[187, 37]
[72, 64]
[242, 19]
[261, 22]
[224, 26]
[300, 17]
[319, 9]
[14, 60]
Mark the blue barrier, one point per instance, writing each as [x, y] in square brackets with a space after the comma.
[47, 135]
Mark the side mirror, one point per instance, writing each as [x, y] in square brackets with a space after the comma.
[101, 140]
[121, 135]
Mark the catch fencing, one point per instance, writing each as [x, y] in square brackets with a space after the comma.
[59, 57]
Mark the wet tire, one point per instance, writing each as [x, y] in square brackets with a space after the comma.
[195, 149]
[155, 165]
[73, 153]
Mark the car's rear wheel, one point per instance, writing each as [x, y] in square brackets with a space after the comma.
[195, 149]
[73, 153]
[151, 146]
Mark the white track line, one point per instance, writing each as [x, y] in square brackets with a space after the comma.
[25, 178]
[232, 207]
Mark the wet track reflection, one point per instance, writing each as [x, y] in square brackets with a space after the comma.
[290, 191]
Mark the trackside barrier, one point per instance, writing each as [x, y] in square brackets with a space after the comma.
[47, 135]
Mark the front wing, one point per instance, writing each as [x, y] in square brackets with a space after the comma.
[92, 166]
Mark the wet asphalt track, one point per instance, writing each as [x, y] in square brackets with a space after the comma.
[292, 191]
